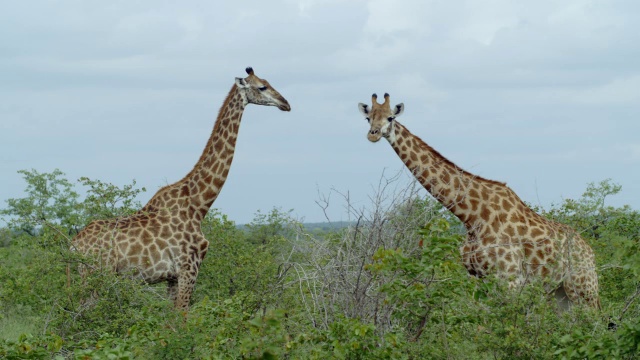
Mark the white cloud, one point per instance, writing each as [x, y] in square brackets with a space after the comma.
[628, 153]
[585, 18]
[391, 17]
[306, 7]
[482, 80]
[619, 91]
[156, 30]
[482, 20]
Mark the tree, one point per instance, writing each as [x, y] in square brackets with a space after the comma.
[52, 204]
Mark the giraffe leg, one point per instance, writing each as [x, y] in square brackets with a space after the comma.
[189, 271]
[562, 299]
[185, 285]
[85, 271]
[172, 289]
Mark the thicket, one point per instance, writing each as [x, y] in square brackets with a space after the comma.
[388, 285]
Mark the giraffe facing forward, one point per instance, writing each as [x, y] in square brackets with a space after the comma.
[504, 236]
[163, 241]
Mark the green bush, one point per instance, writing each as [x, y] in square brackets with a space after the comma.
[388, 286]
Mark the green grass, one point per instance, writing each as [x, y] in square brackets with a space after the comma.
[14, 323]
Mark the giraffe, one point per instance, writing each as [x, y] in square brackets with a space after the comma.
[504, 236]
[163, 241]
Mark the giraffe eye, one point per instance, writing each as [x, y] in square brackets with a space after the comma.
[390, 118]
[262, 88]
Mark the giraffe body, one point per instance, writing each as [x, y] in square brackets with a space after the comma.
[504, 236]
[163, 241]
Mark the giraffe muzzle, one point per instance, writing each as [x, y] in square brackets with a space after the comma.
[374, 135]
[285, 106]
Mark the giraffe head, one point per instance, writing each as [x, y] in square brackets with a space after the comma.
[381, 117]
[258, 91]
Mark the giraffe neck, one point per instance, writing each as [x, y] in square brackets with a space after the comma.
[197, 191]
[445, 181]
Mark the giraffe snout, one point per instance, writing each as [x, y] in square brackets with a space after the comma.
[374, 135]
[285, 106]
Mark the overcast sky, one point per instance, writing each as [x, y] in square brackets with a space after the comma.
[544, 95]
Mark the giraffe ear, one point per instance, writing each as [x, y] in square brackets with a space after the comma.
[241, 83]
[364, 109]
[398, 109]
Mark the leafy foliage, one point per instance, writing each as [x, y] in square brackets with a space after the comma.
[420, 284]
[387, 285]
[246, 264]
[53, 206]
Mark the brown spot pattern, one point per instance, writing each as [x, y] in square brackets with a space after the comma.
[163, 241]
[490, 211]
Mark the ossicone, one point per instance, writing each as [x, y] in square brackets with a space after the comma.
[249, 70]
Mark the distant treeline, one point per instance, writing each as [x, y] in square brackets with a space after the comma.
[315, 226]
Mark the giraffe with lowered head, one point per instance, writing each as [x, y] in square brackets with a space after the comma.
[163, 241]
[504, 236]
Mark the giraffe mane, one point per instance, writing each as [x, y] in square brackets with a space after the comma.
[217, 125]
[426, 146]
[203, 155]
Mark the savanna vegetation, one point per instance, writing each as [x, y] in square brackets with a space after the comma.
[388, 284]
